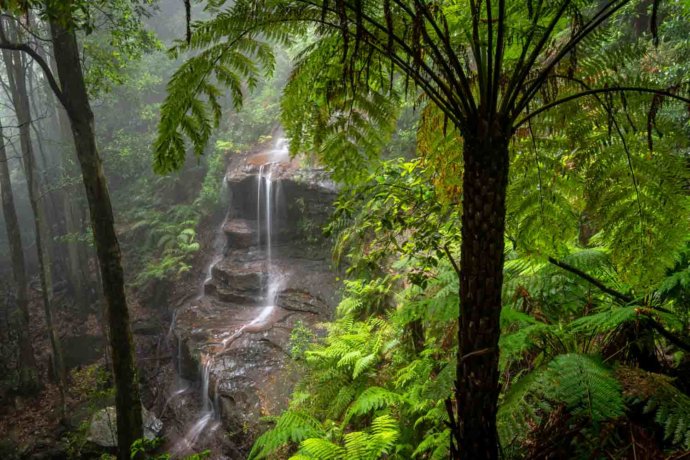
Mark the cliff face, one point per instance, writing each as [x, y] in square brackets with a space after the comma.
[233, 342]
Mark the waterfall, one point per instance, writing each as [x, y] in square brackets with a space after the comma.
[269, 221]
[259, 183]
[266, 202]
[205, 381]
[267, 194]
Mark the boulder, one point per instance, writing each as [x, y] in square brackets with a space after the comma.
[103, 427]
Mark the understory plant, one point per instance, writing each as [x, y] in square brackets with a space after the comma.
[589, 365]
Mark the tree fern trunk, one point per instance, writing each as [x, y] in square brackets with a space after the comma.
[127, 401]
[483, 223]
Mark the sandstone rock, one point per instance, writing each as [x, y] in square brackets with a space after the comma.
[300, 300]
[234, 341]
[103, 427]
[240, 233]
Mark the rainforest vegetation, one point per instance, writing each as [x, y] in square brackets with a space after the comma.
[345, 229]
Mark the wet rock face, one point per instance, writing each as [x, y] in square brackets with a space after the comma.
[235, 339]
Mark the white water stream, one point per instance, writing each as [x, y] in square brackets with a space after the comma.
[208, 419]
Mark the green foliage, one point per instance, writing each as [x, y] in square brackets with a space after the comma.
[146, 449]
[227, 54]
[591, 188]
[92, 385]
[394, 211]
[344, 123]
[119, 39]
[581, 384]
[301, 337]
[292, 426]
[171, 240]
[659, 397]
[358, 445]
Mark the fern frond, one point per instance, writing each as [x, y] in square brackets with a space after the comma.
[657, 395]
[292, 427]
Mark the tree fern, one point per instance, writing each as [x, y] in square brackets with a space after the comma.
[231, 53]
[372, 444]
[291, 426]
[585, 387]
[658, 396]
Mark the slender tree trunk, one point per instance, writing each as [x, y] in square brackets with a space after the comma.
[128, 405]
[17, 83]
[78, 253]
[483, 223]
[28, 374]
[61, 136]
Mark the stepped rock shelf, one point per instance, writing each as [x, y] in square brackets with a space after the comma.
[232, 342]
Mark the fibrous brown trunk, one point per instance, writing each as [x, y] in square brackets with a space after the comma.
[481, 263]
[28, 374]
[127, 401]
[17, 84]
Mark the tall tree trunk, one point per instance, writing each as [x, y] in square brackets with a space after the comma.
[60, 135]
[80, 278]
[28, 374]
[17, 82]
[128, 405]
[481, 263]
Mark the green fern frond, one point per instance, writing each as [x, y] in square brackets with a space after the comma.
[291, 427]
[372, 399]
[585, 386]
[657, 395]
[582, 384]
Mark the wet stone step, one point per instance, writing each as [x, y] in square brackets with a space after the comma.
[233, 296]
[241, 233]
[247, 276]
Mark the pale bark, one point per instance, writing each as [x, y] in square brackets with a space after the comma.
[28, 373]
[17, 83]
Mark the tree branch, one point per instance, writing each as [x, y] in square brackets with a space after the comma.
[4, 44]
[452, 261]
[451, 54]
[523, 67]
[592, 280]
[668, 335]
[592, 92]
[606, 12]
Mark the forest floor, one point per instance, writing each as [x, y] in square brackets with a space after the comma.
[31, 426]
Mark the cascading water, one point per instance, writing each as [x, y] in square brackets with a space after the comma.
[267, 193]
[208, 418]
[208, 412]
[269, 222]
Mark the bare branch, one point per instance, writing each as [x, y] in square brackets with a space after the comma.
[23, 47]
[595, 91]
[452, 260]
[626, 299]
